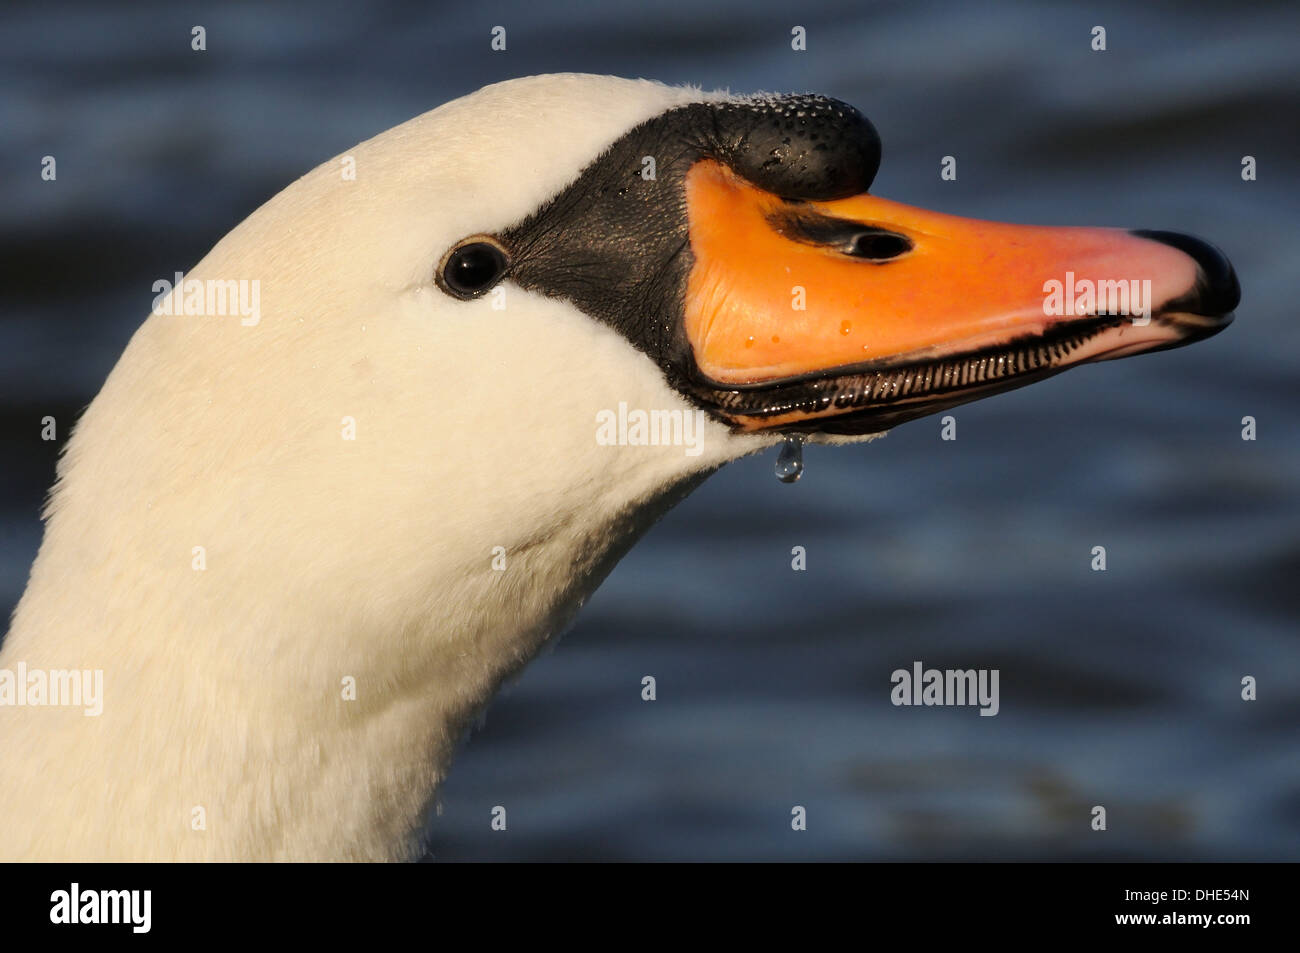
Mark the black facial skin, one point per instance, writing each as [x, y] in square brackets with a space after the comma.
[616, 244]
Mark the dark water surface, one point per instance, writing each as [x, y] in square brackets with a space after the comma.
[1118, 688]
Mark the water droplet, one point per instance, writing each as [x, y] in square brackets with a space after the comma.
[776, 339]
[789, 462]
[749, 341]
[844, 327]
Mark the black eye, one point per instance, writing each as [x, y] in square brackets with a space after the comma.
[878, 245]
[472, 268]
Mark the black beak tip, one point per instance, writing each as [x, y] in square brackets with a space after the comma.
[1218, 292]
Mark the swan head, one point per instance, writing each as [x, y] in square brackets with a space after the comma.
[734, 242]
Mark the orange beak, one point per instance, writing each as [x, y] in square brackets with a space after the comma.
[855, 314]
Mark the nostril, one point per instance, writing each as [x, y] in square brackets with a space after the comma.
[878, 245]
[1218, 291]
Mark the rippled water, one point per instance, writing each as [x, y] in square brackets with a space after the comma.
[1117, 688]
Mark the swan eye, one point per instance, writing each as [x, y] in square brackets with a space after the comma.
[472, 268]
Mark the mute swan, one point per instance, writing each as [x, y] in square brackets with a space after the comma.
[390, 484]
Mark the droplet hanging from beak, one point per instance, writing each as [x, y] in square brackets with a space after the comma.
[789, 462]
